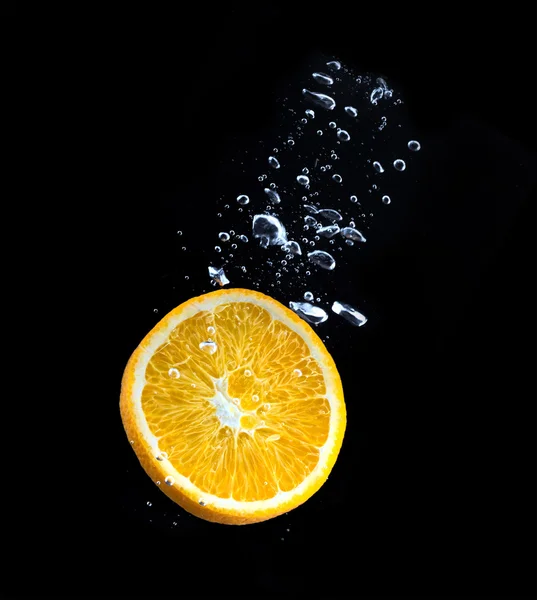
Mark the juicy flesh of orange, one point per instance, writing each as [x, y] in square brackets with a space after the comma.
[243, 421]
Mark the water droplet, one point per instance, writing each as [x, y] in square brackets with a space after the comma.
[334, 65]
[218, 276]
[243, 238]
[320, 99]
[292, 247]
[311, 314]
[386, 199]
[223, 236]
[319, 132]
[399, 164]
[273, 162]
[211, 330]
[162, 456]
[376, 95]
[322, 259]
[181, 233]
[349, 313]
[349, 233]
[322, 78]
[350, 110]
[343, 135]
[378, 167]
[208, 347]
[354, 199]
[329, 231]
[332, 125]
[269, 230]
[329, 213]
[247, 373]
[243, 199]
[273, 196]
[174, 373]
[310, 113]
[297, 373]
[169, 480]
[149, 504]
[337, 178]
[414, 145]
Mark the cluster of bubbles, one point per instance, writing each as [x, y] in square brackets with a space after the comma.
[310, 237]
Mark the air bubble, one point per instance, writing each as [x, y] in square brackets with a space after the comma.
[174, 373]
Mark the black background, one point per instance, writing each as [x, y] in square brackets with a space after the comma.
[434, 489]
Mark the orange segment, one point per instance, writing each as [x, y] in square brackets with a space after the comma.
[235, 402]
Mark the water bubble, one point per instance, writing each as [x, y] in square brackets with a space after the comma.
[343, 135]
[292, 247]
[132, 442]
[187, 277]
[387, 92]
[149, 504]
[181, 233]
[311, 314]
[308, 296]
[209, 347]
[211, 330]
[297, 373]
[332, 125]
[354, 199]
[337, 178]
[329, 213]
[269, 230]
[162, 456]
[303, 180]
[275, 150]
[311, 209]
[155, 310]
[386, 199]
[233, 247]
[260, 178]
[350, 110]
[218, 249]
[273, 196]
[202, 502]
[310, 113]
[378, 167]
[247, 373]
[376, 95]
[349, 242]
[243, 238]
[322, 78]
[218, 276]
[305, 170]
[334, 65]
[319, 132]
[320, 99]
[304, 121]
[157, 482]
[349, 313]
[273, 162]
[414, 145]
[223, 236]
[349, 233]
[291, 142]
[329, 231]
[309, 220]
[399, 164]
[255, 398]
[174, 373]
[169, 480]
[322, 259]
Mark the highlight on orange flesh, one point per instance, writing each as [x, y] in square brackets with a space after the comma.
[234, 407]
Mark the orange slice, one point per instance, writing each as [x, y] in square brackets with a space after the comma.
[234, 407]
